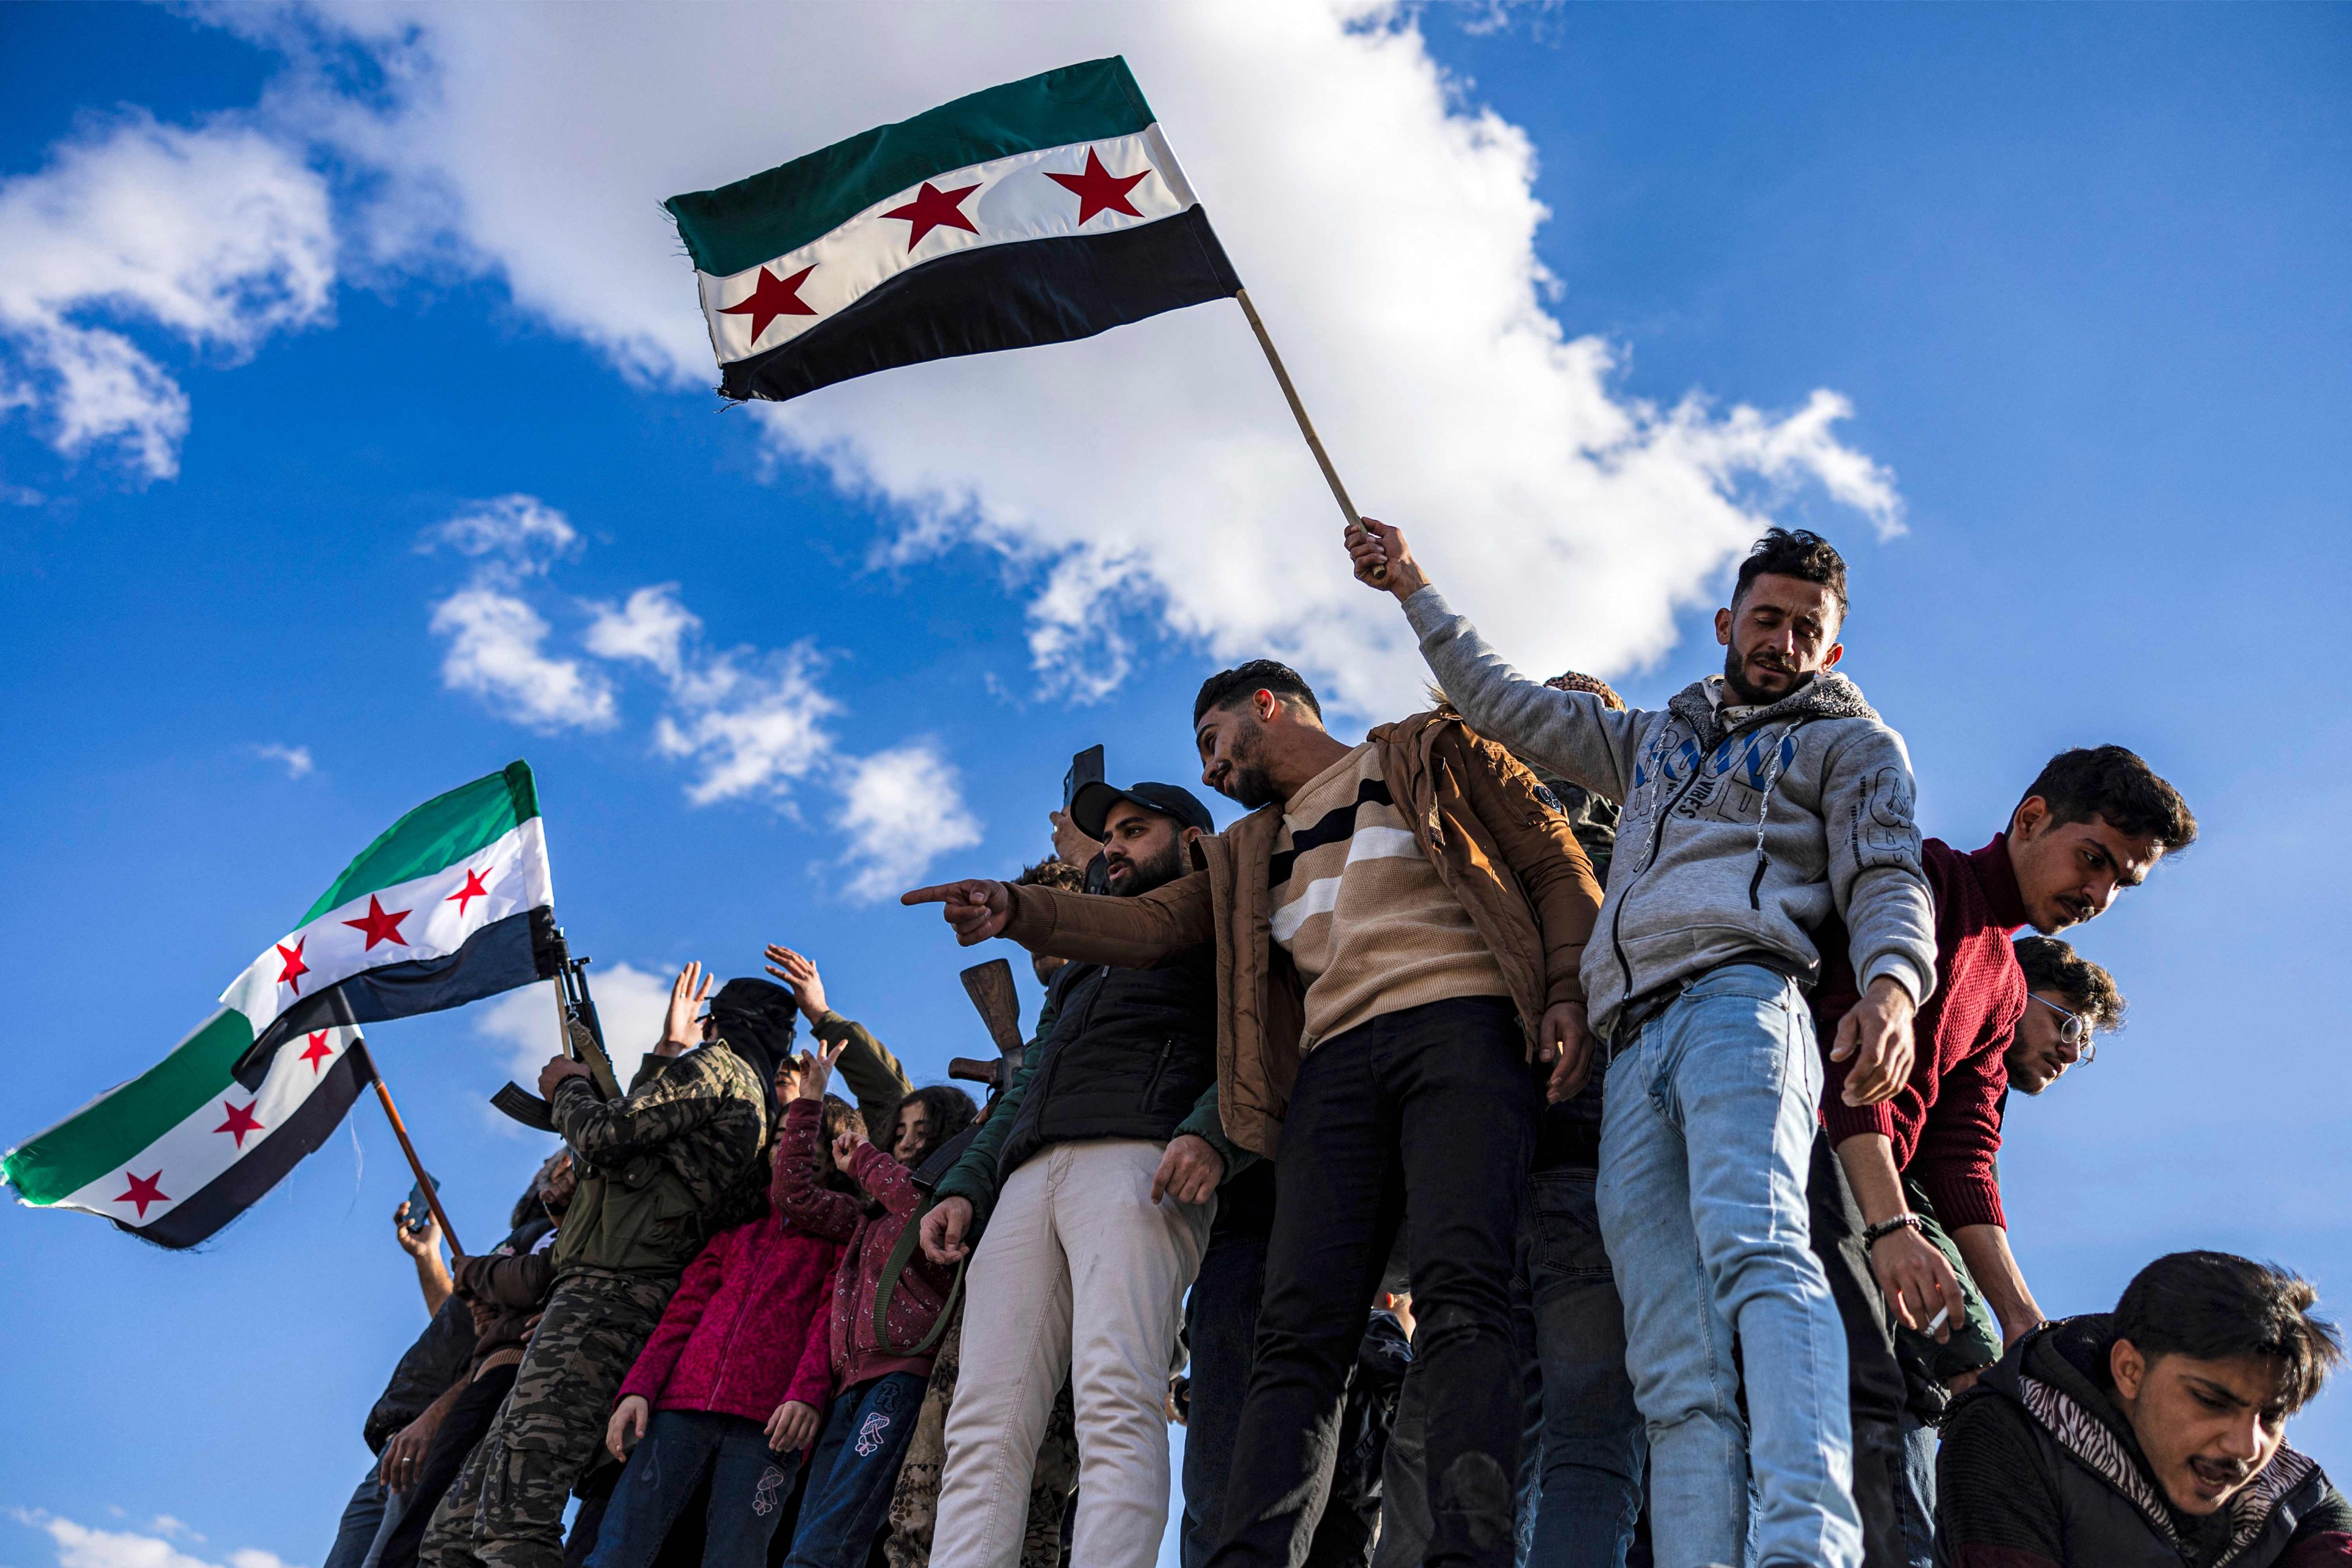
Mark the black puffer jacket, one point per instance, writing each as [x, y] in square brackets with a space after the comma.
[1131, 1051]
[1132, 1054]
[2038, 1466]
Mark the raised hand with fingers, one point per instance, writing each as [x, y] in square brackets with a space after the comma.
[818, 1074]
[978, 909]
[687, 993]
[799, 973]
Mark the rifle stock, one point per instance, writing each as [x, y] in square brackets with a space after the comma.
[582, 1037]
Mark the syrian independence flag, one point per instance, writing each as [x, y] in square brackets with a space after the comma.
[451, 905]
[1037, 211]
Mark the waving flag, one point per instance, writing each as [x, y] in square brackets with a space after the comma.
[452, 904]
[1038, 212]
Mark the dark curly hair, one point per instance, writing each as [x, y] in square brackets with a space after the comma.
[2053, 966]
[2216, 1306]
[1793, 552]
[1577, 680]
[951, 1110]
[1227, 687]
[2114, 784]
[1053, 872]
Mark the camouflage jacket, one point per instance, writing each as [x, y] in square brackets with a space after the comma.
[662, 1168]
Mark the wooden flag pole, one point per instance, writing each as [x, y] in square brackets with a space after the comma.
[1306, 425]
[400, 1131]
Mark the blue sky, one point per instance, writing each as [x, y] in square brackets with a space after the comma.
[2072, 277]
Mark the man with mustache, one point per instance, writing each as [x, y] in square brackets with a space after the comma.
[1760, 802]
[2153, 1434]
[1921, 1165]
[1397, 928]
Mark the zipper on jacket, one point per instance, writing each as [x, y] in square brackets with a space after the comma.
[1159, 1071]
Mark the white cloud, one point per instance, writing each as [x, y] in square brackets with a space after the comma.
[632, 1004]
[298, 766]
[651, 628]
[901, 809]
[522, 531]
[751, 723]
[495, 654]
[1386, 228]
[217, 234]
[78, 1546]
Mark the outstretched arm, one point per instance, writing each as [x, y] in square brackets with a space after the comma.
[1573, 734]
[1126, 933]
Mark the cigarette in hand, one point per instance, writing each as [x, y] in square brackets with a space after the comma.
[1943, 1315]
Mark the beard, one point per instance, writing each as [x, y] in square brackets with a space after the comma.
[1129, 879]
[1249, 788]
[1735, 680]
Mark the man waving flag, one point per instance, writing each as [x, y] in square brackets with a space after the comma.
[452, 903]
[1038, 212]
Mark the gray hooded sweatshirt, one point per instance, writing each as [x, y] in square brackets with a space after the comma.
[1738, 837]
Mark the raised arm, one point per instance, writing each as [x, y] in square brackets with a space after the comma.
[819, 1210]
[872, 1074]
[1573, 734]
[885, 1180]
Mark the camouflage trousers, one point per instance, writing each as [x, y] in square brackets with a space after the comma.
[915, 1504]
[506, 1508]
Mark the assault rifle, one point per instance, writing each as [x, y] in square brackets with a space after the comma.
[583, 1038]
[989, 986]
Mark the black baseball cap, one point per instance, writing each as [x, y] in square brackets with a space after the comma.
[1095, 800]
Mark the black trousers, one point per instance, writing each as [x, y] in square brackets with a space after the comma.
[1876, 1391]
[1438, 1101]
[454, 1439]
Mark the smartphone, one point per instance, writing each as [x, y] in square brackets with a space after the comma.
[420, 1212]
[1086, 768]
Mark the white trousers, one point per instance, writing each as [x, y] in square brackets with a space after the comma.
[1079, 1275]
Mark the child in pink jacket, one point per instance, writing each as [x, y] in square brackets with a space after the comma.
[735, 1376]
[877, 1379]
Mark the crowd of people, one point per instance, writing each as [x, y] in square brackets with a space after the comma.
[1545, 1132]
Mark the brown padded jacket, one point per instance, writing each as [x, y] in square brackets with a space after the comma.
[1495, 836]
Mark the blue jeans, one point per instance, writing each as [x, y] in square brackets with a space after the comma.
[1705, 1144]
[854, 1471]
[749, 1488]
[1588, 1449]
[1917, 1501]
[361, 1522]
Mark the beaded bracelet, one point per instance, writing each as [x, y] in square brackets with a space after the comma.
[1889, 1226]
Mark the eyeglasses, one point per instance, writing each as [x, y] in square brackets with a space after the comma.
[2074, 1029]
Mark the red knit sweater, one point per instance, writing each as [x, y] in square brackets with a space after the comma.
[857, 1356]
[1945, 1122]
[747, 1330]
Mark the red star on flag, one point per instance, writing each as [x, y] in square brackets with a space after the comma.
[144, 1190]
[379, 926]
[472, 889]
[1101, 191]
[934, 208]
[317, 1052]
[291, 974]
[769, 297]
[240, 1122]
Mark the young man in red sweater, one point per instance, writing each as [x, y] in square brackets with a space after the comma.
[1920, 1166]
